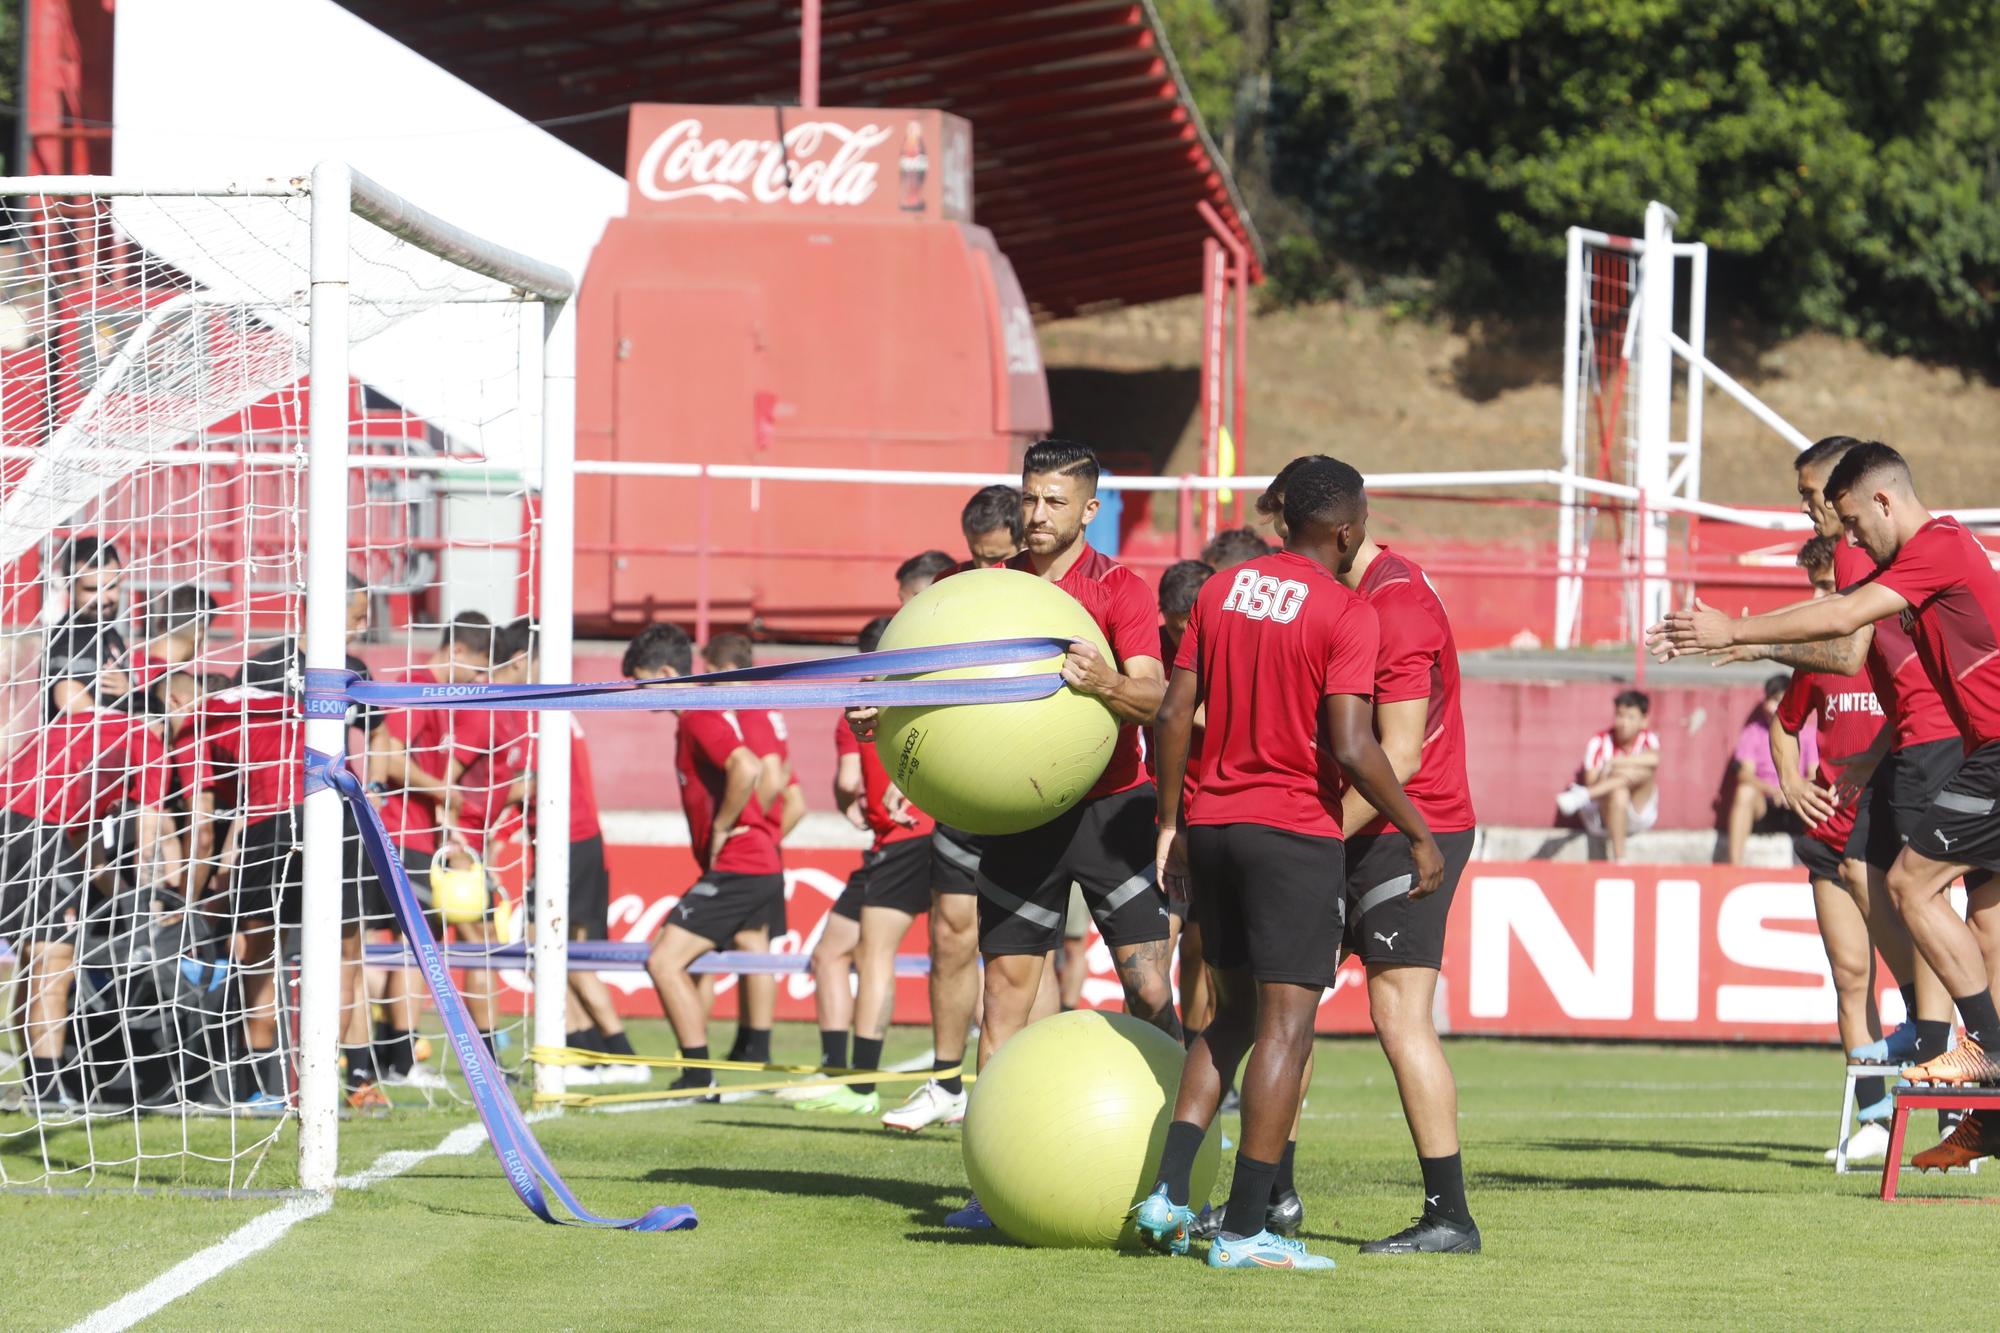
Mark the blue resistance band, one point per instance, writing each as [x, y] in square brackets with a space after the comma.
[828, 682]
[820, 683]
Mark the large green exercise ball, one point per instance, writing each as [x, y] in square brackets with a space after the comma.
[1066, 1125]
[995, 768]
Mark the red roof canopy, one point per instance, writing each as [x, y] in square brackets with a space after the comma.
[1089, 159]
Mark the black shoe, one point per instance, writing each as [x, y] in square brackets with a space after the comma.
[696, 1078]
[1232, 1103]
[1207, 1224]
[1428, 1235]
[1286, 1214]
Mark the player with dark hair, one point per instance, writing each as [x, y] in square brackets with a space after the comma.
[173, 628]
[1912, 759]
[80, 765]
[1284, 659]
[1937, 577]
[1849, 720]
[733, 837]
[414, 765]
[765, 733]
[1104, 841]
[991, 522]
[920, 572]
[1232, 546]
[85, 655]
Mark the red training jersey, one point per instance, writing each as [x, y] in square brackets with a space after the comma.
[411, 818]
[494, 749]
[249, 749]
[1849, 716]
[584, 819]
[1954, 615]
[1128, 614]
[78, 765]
[1269, 641]
[1418, 659]
[1895, 672]
[875, 784]
[701, 761]
[764, 732]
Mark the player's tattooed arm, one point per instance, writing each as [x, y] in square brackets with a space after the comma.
[1835, 657]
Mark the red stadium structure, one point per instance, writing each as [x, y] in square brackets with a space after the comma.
[847, 289]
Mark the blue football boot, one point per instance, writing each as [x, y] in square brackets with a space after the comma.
[1265, 1250]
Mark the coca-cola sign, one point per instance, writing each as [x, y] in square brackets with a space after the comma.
[815, 163]
[784, 161]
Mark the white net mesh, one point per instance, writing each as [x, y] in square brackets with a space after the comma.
[1606, 432]
[153, 404]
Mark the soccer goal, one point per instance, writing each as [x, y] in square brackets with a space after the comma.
[248, 429]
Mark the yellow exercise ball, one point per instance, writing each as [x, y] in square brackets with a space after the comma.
[459, 894]
[995, 768]
[1066, 1125]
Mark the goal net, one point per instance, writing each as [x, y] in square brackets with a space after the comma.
[241, 428]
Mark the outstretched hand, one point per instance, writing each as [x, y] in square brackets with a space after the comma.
[1699, 628]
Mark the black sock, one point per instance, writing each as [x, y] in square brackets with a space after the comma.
[755, 1045]
[269, 1067]
[1189, 1036]
[867, 1055]
[1868, 1091]
[403, 1054]
[1909, 994]
[1249, 1197]
[384, 1034]
[617, 1044]
[1177, 1158]
[42, 1076]
[1933, 1035]
[833, 1048]
[956, 1083]
[1444, 1189]
[582, 1039]
[360, 1065]
[492, 1046]
[1982, 1024]
[694, 1078]
[1282, 1182]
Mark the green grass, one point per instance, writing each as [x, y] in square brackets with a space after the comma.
[1616, 1186]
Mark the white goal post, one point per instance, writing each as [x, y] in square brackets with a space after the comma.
[269, 397]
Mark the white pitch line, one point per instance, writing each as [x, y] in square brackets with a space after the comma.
[1580, 1115]
[265, 1230]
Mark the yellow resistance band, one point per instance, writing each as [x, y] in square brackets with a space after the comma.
[815, 1076]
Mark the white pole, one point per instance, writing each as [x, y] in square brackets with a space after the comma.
[326, 647]
[1696, 385]
[1569, 587]
[1656, 406]
[557, 604]
[1752, 404]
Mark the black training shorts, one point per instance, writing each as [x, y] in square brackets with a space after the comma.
[375, 893]
[41, 880]
[954, 860]
[848, 904]
[720, 904]
[590, 888]
[270, 870]
[1820, 860]
[1962, 825]
[1385, 925]
[1105, 845]
[1270, 901]
[1898, 799]
[898, 877]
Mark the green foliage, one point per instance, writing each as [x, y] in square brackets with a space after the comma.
[1210, 55]
[1843, 158]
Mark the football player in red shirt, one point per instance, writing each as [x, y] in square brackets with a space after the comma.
[1178, 588]
[1850, 720]
[1284, 658]
[82, 763]
[1936, 576]
[1903, 772]
[732, 834]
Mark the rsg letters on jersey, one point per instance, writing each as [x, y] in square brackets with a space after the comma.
[1261, 597]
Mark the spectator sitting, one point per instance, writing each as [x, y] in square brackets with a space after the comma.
[1758, 803]
[1620, 791]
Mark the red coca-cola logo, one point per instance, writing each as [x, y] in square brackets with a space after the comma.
[817, 162]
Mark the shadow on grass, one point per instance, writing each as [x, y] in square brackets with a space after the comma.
[1531, 1180]
[846, 1125]
[925, 1203]
[1783, 1153]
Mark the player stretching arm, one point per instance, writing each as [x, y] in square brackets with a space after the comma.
[1936, 577]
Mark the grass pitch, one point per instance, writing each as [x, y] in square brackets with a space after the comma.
[1616, 1186]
